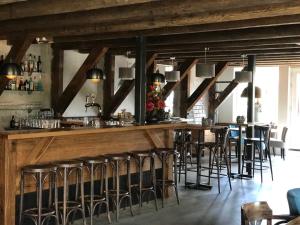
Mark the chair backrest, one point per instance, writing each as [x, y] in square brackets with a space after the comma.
[233, 133]
[221, 137]
[293, 197]
[283, 134]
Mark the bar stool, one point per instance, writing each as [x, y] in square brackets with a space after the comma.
[40, 214]
[258, 142]
[163, 183]
[143, 187]
[66, 207]
[97, 197]
[218, 155]
[116, 193]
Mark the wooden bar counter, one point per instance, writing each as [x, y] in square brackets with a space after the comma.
[21, 148]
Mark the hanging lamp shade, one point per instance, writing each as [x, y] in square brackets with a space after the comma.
[172, 76]
[126, 73]
[205, 70]
[95, 75]
[11, 70]
[257, 92]
[157, 78]
[243, 76]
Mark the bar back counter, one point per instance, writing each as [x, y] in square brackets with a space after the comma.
[21, 148]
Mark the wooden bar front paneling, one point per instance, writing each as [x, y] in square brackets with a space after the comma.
[21, 148]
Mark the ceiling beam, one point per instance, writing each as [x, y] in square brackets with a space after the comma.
[48, 7]
[184, 69]
[225, 93]
[205, 86]
[79, 78]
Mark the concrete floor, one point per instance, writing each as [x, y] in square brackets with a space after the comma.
[210, 208]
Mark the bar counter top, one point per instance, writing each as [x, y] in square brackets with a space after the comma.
[38, 133]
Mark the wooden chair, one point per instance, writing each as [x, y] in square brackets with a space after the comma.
[255, 212]
[279, 143]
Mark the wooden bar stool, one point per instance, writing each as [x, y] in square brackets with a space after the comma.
[144, 187]
[68, 206]
[97, 197]
[163, 183]
[255, 212]
[117, 193]
[40, 214]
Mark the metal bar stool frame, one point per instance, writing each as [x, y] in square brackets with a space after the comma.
[116, 194]
[140, 158]
[163, 154]
[93, 201]
[64, 170]
[39, 173]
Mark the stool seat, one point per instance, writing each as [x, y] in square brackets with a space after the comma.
[33, 212]
[97, 198]
[69, 164]
[160, 151]
[256, 211]
[94, 160]
[118, 156]
[70, 205]
[46, 168]
[114, 192]
[142, 153]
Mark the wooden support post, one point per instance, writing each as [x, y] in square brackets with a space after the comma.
[185, 68]
[108, 85]
[251, 89]
[184, 96]
[80, 77]
[127, 86]
[140, 80]
[57, 76]
[16, 54]
[211, 102]
[205, 86]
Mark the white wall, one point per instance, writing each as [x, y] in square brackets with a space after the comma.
[283, 95]
[225, 110]
[72, 62]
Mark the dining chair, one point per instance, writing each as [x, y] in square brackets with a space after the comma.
[279, 143]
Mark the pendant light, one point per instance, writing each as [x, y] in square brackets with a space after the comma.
[157, 78]
[95, 75]
[127, 73]
[257, 92]
[243, 76]
[174, 75]
[10, 70]
[205, 69]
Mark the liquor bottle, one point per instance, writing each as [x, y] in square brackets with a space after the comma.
[31, 85]
[26, 85]
[12, 122]
[39, 65]
[13, 84]
[35, 64]
[30, 64]
[21, 85]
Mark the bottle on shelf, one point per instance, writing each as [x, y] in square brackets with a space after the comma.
[12, 122]
[35, 64]
[26, 85]
[39, 65]
[13, 85]
[30, 63]
[21, 84]
[31, 85]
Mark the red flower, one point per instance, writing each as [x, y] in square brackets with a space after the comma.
[151, 87]
[149, 106]
[161, 104]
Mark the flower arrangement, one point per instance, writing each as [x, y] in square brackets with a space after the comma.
[155, 104]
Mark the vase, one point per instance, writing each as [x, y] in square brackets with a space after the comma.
[152, 120]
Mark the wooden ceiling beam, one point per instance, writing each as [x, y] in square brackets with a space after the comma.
[225, 93]
[205, 86]
[16, 54]
[49, 7]
[184, 69]
[79, 78]
[159, 14]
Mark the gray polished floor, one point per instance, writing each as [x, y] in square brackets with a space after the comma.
[210, 208]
